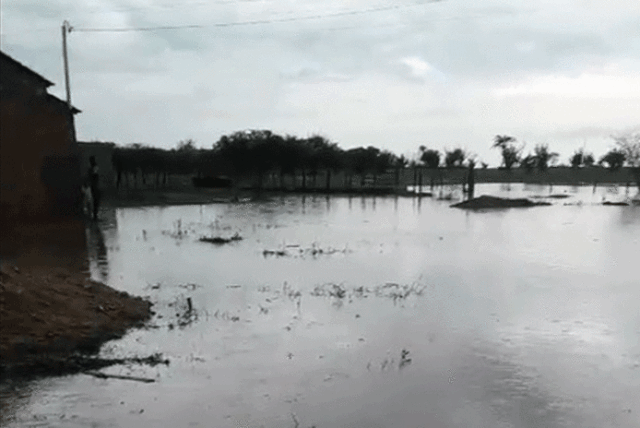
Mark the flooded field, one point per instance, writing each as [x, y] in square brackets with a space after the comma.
[366, 312]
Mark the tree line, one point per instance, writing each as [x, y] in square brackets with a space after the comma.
[257, 154]
[626, 152]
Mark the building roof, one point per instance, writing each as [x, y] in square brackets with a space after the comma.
[24, 68]
[51, 98]
[56, 100]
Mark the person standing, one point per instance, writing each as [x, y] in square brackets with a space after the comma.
[94, 183]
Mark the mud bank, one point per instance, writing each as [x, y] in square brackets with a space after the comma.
[485, 201]
[53, 317]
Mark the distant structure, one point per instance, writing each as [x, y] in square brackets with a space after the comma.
[103, 152]
[39, 157]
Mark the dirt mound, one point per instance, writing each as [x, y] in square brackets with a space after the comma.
[495, 202]
[56, 311]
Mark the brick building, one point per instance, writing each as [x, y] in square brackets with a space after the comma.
[39, 157]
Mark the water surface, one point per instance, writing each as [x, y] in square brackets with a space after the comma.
[508, 318]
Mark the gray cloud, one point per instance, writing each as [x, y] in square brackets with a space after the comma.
[441, 73]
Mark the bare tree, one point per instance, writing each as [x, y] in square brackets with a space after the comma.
[629, 145]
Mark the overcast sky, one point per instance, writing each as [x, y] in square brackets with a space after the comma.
[394, 74]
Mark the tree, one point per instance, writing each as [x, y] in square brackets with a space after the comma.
[430, 157]
[188, 145]
[588, 159]
[528, 162]
[313, 147]
[510, 154]
[287, 152]
[454, 158]
[399, 164]
[234, 151]
[580, 158]
[371, 160]
[356, 161]
[331, 160]
[544, 157]
[576, 159]
[629, 145]
[614, 159]
[382, 163]
[321, 154]
[248, 152]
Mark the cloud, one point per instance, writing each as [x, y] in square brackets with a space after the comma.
[436, 73]
[586, 85]
[418, 67]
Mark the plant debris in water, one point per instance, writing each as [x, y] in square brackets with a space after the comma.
[294, 250]
[179, 231]
[189, 286]
[389, 290]
[185, 313]
[219, 240]
[226, 316]
[333, 290]
[404, 360]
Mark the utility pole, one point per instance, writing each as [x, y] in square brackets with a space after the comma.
[66, 28]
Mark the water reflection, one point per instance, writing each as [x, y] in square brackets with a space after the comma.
[98, 250]
[629, 215]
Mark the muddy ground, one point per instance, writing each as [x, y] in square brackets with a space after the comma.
[485, 201]
[49, 307]
[51, 313]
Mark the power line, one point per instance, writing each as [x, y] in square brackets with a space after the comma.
[247, 23]
[342, 28]
[122, 30]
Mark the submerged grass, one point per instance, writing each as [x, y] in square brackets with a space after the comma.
[389, 290]
[295, 250]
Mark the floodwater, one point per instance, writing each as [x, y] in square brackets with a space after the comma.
[366, 312]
